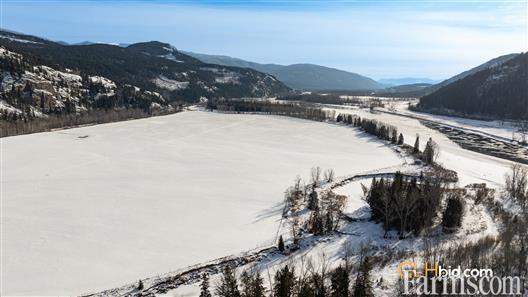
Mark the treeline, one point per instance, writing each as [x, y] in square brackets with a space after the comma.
[286, 282]
[390, 133]
[293, 109]
[411, 205]
[379, 129]
[331, 98]
[315, 98]
[26, 125]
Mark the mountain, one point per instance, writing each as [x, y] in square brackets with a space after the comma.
[35, 97]
[152, 66]
[491, 63]
[300, 76]
[236, 62]
[497, 91]
[410, 88]
[407, 81]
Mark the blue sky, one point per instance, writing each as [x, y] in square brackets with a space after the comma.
[380, 39]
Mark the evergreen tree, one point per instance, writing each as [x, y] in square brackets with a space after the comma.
[258, 289]
[394, 137]
[246, 284]
[340, 282]
[318, 284]
[430, 151]
[306, 290]
[252, 285]
[228, 286]
[453, 214]
[281, 244]
[316, 224]
[363, 286]
[416, 148]
[284, 282]
[42, 101]
[204, 287]
[400, 139]
[313, 203]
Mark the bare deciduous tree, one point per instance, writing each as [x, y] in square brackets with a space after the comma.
[516, 183]
[315, 175]
[329, 175]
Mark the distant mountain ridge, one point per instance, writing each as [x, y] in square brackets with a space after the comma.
[300, 76]
[407, 81]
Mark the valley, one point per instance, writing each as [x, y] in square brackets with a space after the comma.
[131, 167]
[357, 233]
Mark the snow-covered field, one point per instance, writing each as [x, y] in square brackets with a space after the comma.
[92, 208]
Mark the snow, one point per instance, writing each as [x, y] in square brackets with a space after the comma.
[105, 82]
[6, 106]
[55, 75]
[10, 38]
[4, 53]
[228, 78]
[355, 194]
[500, 129]
[170, 84]
[96, 207]
[171, 57]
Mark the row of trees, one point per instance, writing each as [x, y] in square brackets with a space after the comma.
[379, 129]
[288, 283]
[98, 116]
[390, 133]
[292, 109]
[405, 204]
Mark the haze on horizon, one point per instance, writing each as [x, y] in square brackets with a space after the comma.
[380, 39]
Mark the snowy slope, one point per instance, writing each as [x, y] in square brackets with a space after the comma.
[93, 208]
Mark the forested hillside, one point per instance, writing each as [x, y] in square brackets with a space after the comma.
[46, 85]
[499, 92]
[154, 66]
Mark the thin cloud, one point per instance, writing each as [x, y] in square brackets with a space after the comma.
[375, 38]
